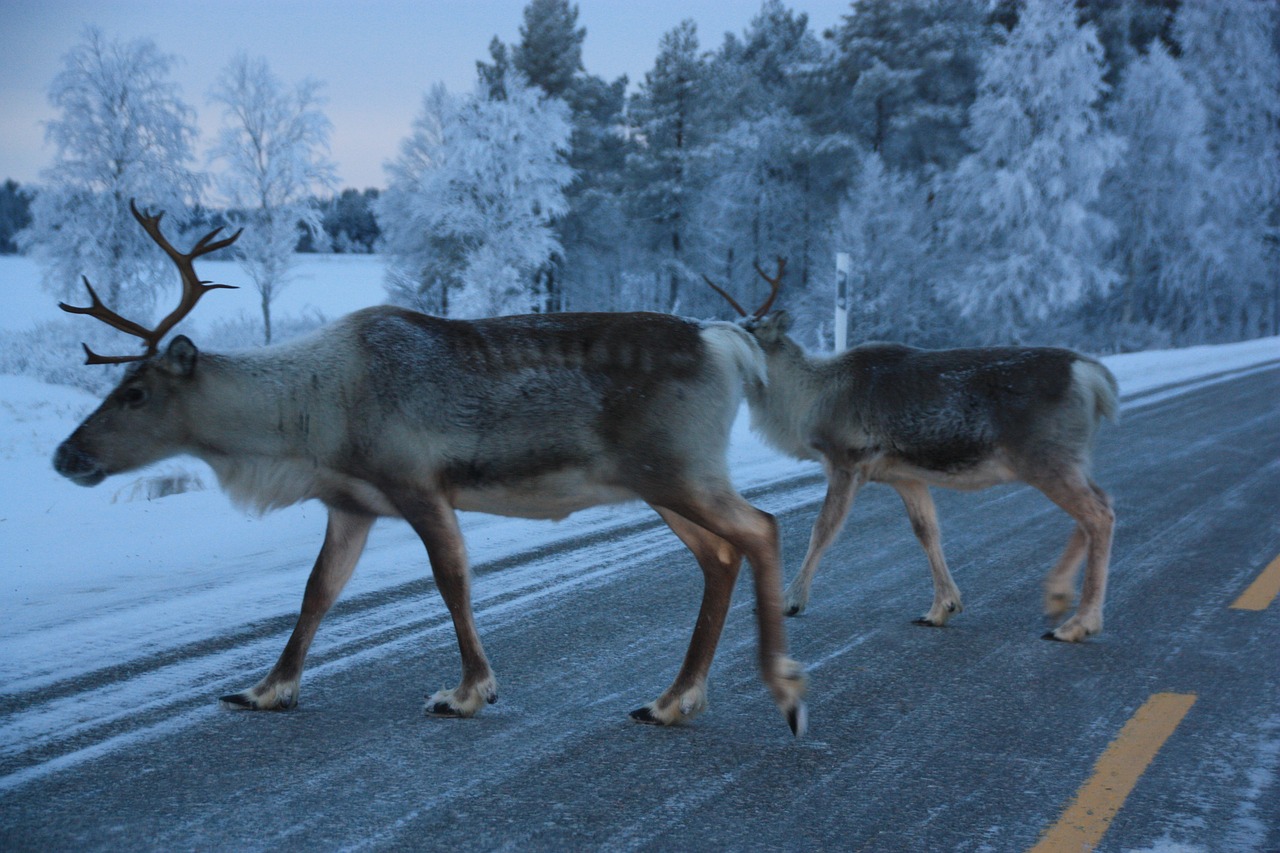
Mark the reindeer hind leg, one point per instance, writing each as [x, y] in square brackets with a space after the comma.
[1091, 507]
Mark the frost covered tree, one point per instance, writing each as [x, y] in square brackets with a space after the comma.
[1229, 53]
[122, 132]
[274, 147]
[885, 227]
[466, 220]
[1159, 193]
[1023, 224]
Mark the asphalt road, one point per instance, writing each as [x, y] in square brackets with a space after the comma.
[973, 737]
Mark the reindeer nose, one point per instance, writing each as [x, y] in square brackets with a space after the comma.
[77, 466]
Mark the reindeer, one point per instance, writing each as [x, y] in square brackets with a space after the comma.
[388, 412]
[960, 418]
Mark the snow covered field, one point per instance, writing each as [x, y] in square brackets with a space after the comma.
[97, 577]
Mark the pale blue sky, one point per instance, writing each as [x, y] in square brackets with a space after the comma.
[376, 57]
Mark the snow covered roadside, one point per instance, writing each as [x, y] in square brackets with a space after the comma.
[94, 577]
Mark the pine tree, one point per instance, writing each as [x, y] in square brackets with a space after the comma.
[550, 51]
[122, 133]
[904, 76]
[15, 214]
[666, 118]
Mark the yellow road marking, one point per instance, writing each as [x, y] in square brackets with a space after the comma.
[1115, 774]
[1262, 591]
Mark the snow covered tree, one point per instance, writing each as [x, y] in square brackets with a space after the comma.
[1158, 194]
[885, 227]
[274, 145]
[1027, 238]
[122, 133]
[1229, 53]
[467, 217]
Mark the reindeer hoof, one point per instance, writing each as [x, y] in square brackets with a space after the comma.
[926, 622]
[237, 702]
[644, 714]
[1049, 635]
[270, 699]
[443, 709]
[798, 719]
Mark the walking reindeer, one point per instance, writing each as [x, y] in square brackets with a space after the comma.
[388, 412]
[960, 418]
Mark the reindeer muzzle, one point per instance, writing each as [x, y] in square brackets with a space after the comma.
[78, 466]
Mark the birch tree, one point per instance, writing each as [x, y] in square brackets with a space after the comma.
[274, 149]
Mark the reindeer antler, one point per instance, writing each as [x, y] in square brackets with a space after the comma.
[728, 298]
[775, 284]
[192, 289]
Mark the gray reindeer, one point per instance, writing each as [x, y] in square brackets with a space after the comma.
[388, 412]
[960, 418]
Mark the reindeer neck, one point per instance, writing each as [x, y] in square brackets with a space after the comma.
[783, 410]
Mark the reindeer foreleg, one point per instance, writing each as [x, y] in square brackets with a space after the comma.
[755, 534]
[924, 522]
[842, 487]
[344, 541]
[720, 563]
[436, 524]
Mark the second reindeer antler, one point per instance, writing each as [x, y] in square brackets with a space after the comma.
[775, 284]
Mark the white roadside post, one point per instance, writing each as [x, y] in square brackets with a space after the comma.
[844, 270]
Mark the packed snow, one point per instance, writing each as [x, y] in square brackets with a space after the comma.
[97, 577]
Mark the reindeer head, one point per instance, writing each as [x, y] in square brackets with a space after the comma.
[138, 422]
[768, 329]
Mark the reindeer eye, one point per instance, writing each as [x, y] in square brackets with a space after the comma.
[133, 397]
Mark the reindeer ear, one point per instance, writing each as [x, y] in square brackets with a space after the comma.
[180, 358]
[782, 320]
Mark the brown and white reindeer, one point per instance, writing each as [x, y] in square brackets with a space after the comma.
[388, 412]
[960, 418]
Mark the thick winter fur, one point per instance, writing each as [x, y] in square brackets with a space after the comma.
[961, 418]
[393, 413]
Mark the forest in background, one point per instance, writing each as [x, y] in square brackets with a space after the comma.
[1099, 174]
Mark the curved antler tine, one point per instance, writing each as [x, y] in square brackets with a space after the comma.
[204, 247]
[101, 312]
[728, 298]
[775, 284]
[145, 216]
[91, 357]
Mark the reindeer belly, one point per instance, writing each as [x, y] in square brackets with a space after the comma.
[990, 470]
[548, 496]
